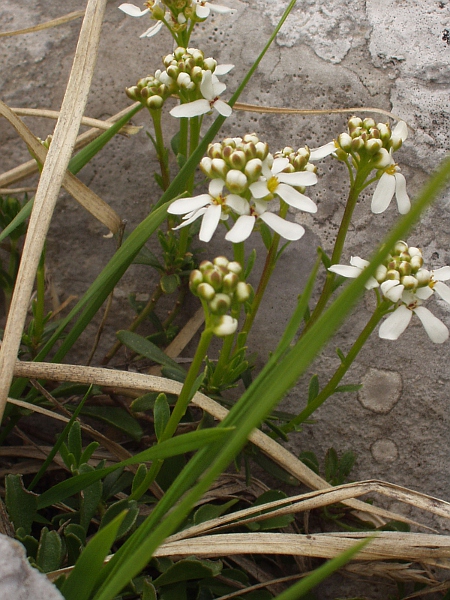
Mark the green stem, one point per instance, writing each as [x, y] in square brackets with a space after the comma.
[328, 288]
[329, 389]
[38, 308]
[160, 148]
[179, 409]
[222, 363]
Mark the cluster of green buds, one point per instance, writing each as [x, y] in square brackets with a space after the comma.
[298, 161]
[237, 161]
[369, 140]
[404, 265]
[219, 286]
[183, 74]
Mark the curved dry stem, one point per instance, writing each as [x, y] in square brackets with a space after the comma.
[53, 23]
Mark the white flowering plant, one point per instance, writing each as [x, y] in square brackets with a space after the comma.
[106, 527]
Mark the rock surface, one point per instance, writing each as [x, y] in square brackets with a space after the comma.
[18, 579]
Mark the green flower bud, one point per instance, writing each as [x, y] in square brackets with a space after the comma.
[155, 102]
[230, 281]
[195, 279]
[380, 273]
[236, 181]
[179, 53]
[400, 247]
[382, 159]
[243, 291]
[205, 291]
[409, 282]
[345, 142]
[392, 274]
[375, 133]
[404, 268]
[197, 74]
[132, 92]
[215, 150]
[205, 166]
[235, 267]
[385, 131]
[205, 265]
[413, 251]
[219, 168]
[158, 12]
[396, 143]
[423, 277]
[238, 159]
[353, 123]
[368, 123]
[173, 71]
[357, 144]
[416, 262]
[221, 261]
[214, 278]
[253, 169]
[340, 154]
[220, 304]
[249, 149]
[262, 150]
[373, 146]
[210, 64]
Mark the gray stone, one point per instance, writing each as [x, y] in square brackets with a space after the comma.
[18, 579]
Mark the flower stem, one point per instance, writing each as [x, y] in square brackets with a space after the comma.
[330, 388]
[160, 148]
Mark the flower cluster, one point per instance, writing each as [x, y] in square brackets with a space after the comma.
[374, 144]
[404, 281]
[189, 75]
[219, 286]
[174, 14]
[253, 178]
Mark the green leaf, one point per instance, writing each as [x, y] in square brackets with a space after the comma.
[115, 509]
[250, 263]
[148, 591]
[348, 388]
[212, 511]
[146, 257]
[139, 477]
[144, 403]
[161, 415]
[90, 498]
[117, 417]
[81, 581]
[144, 347]
[324, 257]
[187, 569]
[310, 460]
[169, 283]
[50, 551]
[331, 464]
[75, 538]
[20, 504]
[313, 389]
[187, 442]
[88, 452]
[341, 355]
[24, 213]
[274, 469]
[74, 442]
[266, 235]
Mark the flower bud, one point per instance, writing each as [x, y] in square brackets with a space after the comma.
[368, 123]
[230, 281]
[221, 261]
[219, 167]
[205, 166]
[253, 169]
[195, 279]
[235, 267]
[210, 64]
[382, 159]
[357, 144]
[243, 291]
[197, 74]
[215, 150]
[373, 146]
[385, 131]
[354, 122]
[238, 159]
[158, 12]
[396, 143]
[400, 247]
[236, 181]
[173, 72]
[404, 268]
[205, 291]
[380, 273]
[154, 102]
[392, 274]
[213, 277]
[409, 282]
[416, 262]
[226, 325]
[179, 52]
[205, 265]
[413, 251]
[220, 304]
[345, 142]
[423, 277]
[262, 150]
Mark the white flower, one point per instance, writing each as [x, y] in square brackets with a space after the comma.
[211, 88]
[398, 321]
[243, 227]
[134, 11]
[356, 267]
[392, 181]
[282, 184]
[202, 9]
[212, 207]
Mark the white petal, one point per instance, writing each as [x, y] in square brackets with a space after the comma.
[191, 109]
[442, 291]
[215, 187]
[345, 270]
[206, 86]
[356, 261]
[395, 324]
[383, 193]
[437, 331]
[238, 204]
[300, 178]
[210, 221]
[401, 130]
[287, 229]
[182, 206]
[259, 189]
[296, 199]
[223, 69]
[424, 293]
[132, 10]
[402, 197]
[223, 108]
[227, 325]
[241, 230]
[392, 290]
[279, 164]
[221, 10]
[322, 151]
[188, 219]
[202, 11]
[153, 30]
[260, 206]
[442, 274]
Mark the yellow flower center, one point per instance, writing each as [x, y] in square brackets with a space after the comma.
[272, 184]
